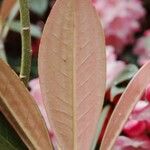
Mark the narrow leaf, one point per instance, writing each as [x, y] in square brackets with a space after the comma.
[125, 105]
[38, 6]
[35, 30]
[101, 122]
[21, 110]
[127, 74]
[6, 8]
[116, 91]
[72, 72]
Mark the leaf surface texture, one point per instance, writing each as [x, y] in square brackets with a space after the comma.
[72, 72]
[21, 110]
[125, 106]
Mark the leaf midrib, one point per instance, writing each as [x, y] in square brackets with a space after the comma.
[74, 79]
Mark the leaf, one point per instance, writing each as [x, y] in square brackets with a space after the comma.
[125, 105]
[126, 75]
[21, 110]
[35, 30]
[116, 91]
[8, 137]
[5, 145]
[39, 6]
[101, 122]
[13, 12]
[72, 72]
[5, 9]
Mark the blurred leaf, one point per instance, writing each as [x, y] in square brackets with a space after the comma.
[72, 70]
[35, 30]
[116, 91]
[2, 51]
[39, 6]
[11, 17]
[128, 56]
[15, 65]
[147, 43]
[5, 9]
[5, 145]
[127, 74]
[101, 122]
[125, 106]
[21, 111]
[9, 139]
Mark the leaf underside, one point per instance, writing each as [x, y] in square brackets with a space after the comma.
[125, 106]
[72, 72]
[21, 110]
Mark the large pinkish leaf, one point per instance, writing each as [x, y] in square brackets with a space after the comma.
[125, 105]
[21, 110]
[72, 72]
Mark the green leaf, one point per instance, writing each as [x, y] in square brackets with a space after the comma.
[147, 42]
[101, 122]
[9, 139]
[35, 30]
[5, 145]
[39, 6]
[116, 91]
[127, 74]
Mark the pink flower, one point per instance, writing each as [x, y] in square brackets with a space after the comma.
[147, 93]
[126, 143]
[136, 129]
[120, 20]
[140, 106]
[142, 48]
[114, 67]
[36, 93]
[138, 120]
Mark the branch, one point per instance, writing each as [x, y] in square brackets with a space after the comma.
[26, 41]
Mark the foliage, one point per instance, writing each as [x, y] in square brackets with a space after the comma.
[78, 103]
[9, 136]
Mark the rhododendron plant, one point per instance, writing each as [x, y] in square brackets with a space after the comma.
[87, 90]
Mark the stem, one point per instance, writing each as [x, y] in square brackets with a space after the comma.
[26, 41]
